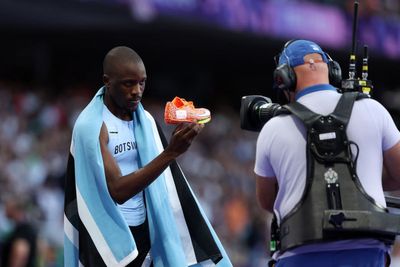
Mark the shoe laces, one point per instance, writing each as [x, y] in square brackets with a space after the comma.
[181, 102]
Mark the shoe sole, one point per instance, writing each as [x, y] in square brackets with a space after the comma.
[203, 121]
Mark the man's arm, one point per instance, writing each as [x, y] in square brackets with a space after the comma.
[122, 188]
[391, 168]
[266, 189]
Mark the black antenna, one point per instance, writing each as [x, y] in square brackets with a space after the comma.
[364, 74]
[364, 83]
[352, 66]
[353, 83]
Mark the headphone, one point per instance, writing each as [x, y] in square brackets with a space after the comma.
[285, 77]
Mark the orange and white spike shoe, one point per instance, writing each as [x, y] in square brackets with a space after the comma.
[179, 110]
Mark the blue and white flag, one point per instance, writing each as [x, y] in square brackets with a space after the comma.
[180, 233]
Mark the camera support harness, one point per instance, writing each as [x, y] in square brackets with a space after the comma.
[334, 204]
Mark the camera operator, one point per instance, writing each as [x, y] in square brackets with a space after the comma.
[282, 164]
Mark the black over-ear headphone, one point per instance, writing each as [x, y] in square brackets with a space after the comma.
[285, 77]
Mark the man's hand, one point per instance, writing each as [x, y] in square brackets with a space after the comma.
[182, 138]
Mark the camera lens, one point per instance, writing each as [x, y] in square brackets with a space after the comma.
[255, 111]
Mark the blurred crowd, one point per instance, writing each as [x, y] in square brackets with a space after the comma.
[35, 135]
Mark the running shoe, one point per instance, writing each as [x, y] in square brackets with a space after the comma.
[179, 110]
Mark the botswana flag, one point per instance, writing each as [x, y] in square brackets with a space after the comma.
[180, 233]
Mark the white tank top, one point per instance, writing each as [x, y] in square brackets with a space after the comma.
[122, 145]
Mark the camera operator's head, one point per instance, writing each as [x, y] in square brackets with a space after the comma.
[301, 64]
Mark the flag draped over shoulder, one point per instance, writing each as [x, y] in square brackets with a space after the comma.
[180, 233]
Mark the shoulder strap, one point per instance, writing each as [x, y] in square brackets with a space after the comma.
[344, 107]
[303, 113]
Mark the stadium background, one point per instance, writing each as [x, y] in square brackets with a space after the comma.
[209, 51]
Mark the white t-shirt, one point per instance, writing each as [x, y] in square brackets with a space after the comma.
[122, 145]
[281, 146]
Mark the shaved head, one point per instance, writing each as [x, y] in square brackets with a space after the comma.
[118, 56]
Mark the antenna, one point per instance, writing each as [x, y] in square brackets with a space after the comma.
[364, 83]
[353, 83]
[364, 74]
[352, 65]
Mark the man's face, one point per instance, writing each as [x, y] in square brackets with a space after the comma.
[126, 85]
